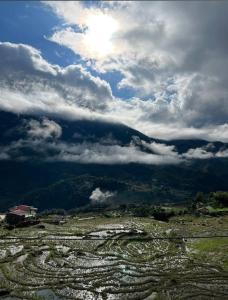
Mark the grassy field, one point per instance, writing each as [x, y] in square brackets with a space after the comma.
[116, 258]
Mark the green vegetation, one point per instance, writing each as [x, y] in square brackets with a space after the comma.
[219, 199]
[48, 184]
[210, 245]
[213, 249]
[212, 204]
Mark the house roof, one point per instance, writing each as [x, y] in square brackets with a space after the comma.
[22, 207]
[17, 212]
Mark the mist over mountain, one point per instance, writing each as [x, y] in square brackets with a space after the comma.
[121, 98]
[55, 163]
[113, 150]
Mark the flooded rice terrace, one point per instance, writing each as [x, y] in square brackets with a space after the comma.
[115, 258]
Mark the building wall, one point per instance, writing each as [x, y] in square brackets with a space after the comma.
[2, 217]
[14, 219]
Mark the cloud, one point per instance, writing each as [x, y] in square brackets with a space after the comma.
[43, 129]
[97, 153]
[4, 156]
[97, 196]
[85, 153]
[91, 38]
[177, 63]
[222, 153]
[22, 59]
[43, 142]
[29, 84]
[177, 131]
[161, 149]
[198, 153]
[182, 106]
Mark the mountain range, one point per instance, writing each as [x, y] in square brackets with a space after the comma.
[54, 163]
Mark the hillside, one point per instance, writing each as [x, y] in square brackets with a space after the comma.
[28, 176]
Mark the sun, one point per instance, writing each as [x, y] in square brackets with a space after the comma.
[99, 33]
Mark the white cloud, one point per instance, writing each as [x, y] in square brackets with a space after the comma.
[21, 58]
[43, 129]
[93, 37]
[178, 131]
[91, 153]
[178, 61]
[50, 148]
[31, 85]
[222, 153]
[161, 149]
[109, 154]
[198, 153]
[97, 196]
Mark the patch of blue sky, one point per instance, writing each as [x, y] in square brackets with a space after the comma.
[31, 23]
[113, 78]
[170, 91]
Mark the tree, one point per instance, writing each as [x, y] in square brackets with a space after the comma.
[219, 199]
[198, 201]
[141, 211]
[199, 198]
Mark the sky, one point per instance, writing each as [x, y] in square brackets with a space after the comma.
[158, 67]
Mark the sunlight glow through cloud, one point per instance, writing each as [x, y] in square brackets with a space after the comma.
[98, 36]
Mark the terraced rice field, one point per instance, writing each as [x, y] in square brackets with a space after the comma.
[116, 258]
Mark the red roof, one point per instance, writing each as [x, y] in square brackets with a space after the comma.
[17, 212]
[23, 208]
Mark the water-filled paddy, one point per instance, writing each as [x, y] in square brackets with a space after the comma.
[113, 258]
